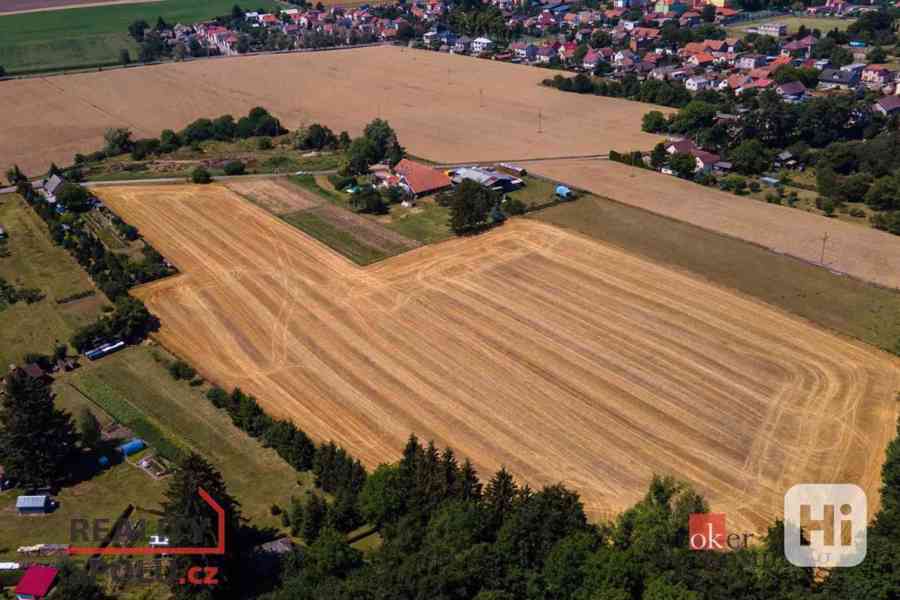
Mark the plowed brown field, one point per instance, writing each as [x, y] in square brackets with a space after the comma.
[530, 347]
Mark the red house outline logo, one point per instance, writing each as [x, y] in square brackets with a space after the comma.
[180, 550]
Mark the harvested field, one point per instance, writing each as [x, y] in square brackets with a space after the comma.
[865, 253]
[438, 112]
[529, 346]
[364, 229]
[274, 195]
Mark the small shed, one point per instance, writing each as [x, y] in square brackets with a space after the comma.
[3, 234]
[34, 505]
[36, 583]
[132, 447]
[563, 192]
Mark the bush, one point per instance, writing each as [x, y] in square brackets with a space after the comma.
[234, 167]
[181, 370]
[342, 182]
[200, 175]
[264, 143]
[275, 510]
[514, 206]
[857, 212]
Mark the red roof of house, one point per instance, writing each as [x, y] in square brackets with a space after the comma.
[34, 371]
[421, 178]
[37, 581]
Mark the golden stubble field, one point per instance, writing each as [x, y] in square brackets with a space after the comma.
[529, 346]
[444, 107]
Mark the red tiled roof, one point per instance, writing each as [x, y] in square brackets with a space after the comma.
[37, 581]
[421, 178]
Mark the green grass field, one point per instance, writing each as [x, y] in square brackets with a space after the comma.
[535, 192]
[104, 496]
[426, 222]
[842, 304]
[35, 262]
[823, 24]
[337, 239]
[62, 39]
[134, 383]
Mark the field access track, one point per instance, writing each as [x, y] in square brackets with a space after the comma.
[527, 346]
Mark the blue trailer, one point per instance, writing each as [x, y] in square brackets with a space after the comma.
[104, 350]
[132, 447]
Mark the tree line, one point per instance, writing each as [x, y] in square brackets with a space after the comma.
[113, 273]
[448, 535]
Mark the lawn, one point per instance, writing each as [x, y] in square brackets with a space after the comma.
[135, 384]
[843, 304]
[337, 239]
[104, 496]
[535, 192]
[94, 35]
[34, 261]
[823, 24]
[426, 222]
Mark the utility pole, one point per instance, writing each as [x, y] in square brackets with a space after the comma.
[824, 241]
[481, 97]
[540, 122]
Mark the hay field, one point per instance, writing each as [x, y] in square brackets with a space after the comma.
[529, 346]
[865, 253]
[432, 100]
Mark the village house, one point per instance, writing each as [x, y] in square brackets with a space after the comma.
[421, 180]
[792, 91]
[482, 45]
[841, 79]
[877, 76]
[696, 83]
[801, 48]
[772, 29]
[524, 50]
[36, 583]
[591, 60]
[462, 44]
[750, 61]
[887, 106]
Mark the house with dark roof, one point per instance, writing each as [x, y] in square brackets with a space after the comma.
[889, 105]
[792, 91]
[841, 79]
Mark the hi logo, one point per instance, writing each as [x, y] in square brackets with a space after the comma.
[825, 525]
[707, 531]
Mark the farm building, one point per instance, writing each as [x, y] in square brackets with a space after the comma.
[489, 178]
[51, 185]
[3, 234]
[34, 505]
[36, 583]
[421, 179]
